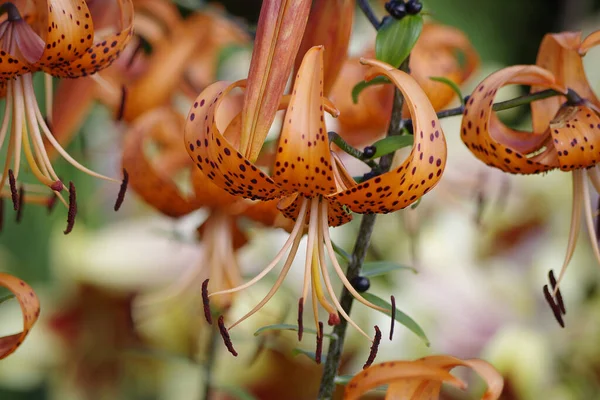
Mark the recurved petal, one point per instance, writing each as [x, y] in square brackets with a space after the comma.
[575, 135]
[214, 155]
[493, 142]
[69, 32]
[592, 40]
[278, 36]
[30, 307]
[559, 53]
[151, 182]
[423, 168]
[99, 55]
[404, 377]
[303, 159]
[329, 25]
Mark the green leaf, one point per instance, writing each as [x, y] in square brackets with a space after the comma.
[452, 85]
[377, 268]
[396, 39]
[341, 252]
[343, 379]
[360, 86]
[309, 354]
[416, 204]
[392, 143]
[289, 327]
[237, 392]
[402, 318]
[6, 298]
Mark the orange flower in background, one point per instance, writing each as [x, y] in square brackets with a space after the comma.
[30, 307]
[57, 38]
[312, 186]
[565, 134]
[440, 51]
[422, 379]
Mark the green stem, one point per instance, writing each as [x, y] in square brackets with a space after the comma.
[334, 354]
[353, 151]
[209, 362]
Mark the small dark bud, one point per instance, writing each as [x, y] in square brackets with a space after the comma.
[369, 151]
[360, 283]
[413, 7]
[396, 8]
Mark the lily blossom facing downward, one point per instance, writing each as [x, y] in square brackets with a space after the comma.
[313, 187]
[422, 379]
[565, 134]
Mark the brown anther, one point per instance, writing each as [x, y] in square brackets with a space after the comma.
[334, 319]
[206, 302]
[121, 110]
[319, 350]
[72, 209]
[57, 186]
[393, 301]
[21, 202]
[300, 320]
[122, 190]
[374, 348]
[225, 336]
[52, 200]
[554, 307]
[13, 189]
[558, 297]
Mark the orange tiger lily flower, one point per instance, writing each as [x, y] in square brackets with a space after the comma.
[564, 135]
[57, 38]
[422, 379]
[312, 186]
[30, 307]
[436, 54]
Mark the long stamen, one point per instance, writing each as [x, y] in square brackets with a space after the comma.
[17, 126]
[575, 221]
[594, 175]
[319, 349]
[589, 219]
[300, 321]
[310, 240]
[49, 90]
[296, 231]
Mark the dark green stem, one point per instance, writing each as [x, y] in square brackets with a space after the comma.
[354, 152]
[368, 11]
[359, 253]
[209, 363]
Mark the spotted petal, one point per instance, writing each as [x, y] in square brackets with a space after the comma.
[303, 159]
[214, 155]
[99, 55]
[493, 142]
[30, 307]
[423, 168]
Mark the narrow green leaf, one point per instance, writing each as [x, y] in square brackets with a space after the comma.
[237, 392]
[341, 252]
[343, 379]
[452, 85]
[402, 318]
[289, 327]
[360, 86]
[396, 39]
[390, 144]
[377, 268]
[6, 298]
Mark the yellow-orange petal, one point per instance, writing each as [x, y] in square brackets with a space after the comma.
[329, 25]
[404, 377]
[152, 183]
[10, 66]
[559, 54]
[442, 51]
[69, 32]
[30, 307]
[214, 155]
[575, 135]
[99, 55]
[278, 36]
[303, 159]
[592, 40]
[493, 142]
[423, 168]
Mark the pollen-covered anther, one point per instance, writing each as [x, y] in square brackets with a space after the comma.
[556, 291]
[57, 186]
[122, 190]
[300, 319]
[206, 302]
[555, 308]
[72, 209]
[334, 319]
[19, 215]
[393, 316]
[14, 193]
[226, 337]
[319, 349]
[374, 348]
